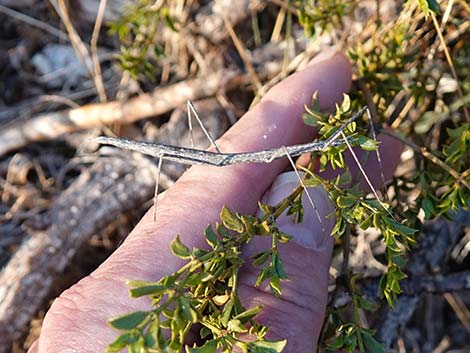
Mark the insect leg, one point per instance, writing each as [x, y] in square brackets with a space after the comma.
[379, 159]
[310, 200]
[192, 109]
[157, 181]
[363, 172]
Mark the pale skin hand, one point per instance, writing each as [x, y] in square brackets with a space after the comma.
[76, 322]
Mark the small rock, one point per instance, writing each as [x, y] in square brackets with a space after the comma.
[58, 65]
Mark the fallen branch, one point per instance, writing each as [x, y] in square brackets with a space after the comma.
[438, 284]
[412, 287]
[159, 101]
[210, 23]
[110, 187]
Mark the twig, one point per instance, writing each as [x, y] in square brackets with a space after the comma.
[97, 77]
[458, 305]
[34, 22]
[257, 85]
[85, 56]
[209, 21]
[443, 345]
[74, 37]
[450, 62]
[276, 33]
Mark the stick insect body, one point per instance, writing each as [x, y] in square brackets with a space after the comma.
[187, 155]
[191, 156]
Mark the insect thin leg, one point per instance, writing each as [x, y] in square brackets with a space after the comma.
[379, 159]
[196, 115]
[190, 124]
[157, 181]
[310, 200]
[364, 173]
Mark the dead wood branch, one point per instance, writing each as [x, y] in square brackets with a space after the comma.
[159, 101]
[210, 23]
[438, 284]
[110, 187]
[436, 244]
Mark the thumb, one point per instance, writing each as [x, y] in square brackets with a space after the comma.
[298, 314]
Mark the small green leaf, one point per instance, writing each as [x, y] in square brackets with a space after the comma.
[222, 230]
[141, 288]
[198, 278]
[371, 343]
[399, 228]
[227, 312]
[309, 118]
[313, 181]
[428, 207]
[169, 22]
[211, 237]
[367, 304]
[208, 347]
[235, 325]
[251, 224]
[263, 275]
[433, 5]
[204, 332]
[121, 342]
[128, 321]
[345, 178]
[367, 144]
[267, 346]
[346, 104]
[279, 266]
[179, 249]
[275, 284]
[337, 343]
[284, 237]
[230, 220]
[265, 209]
[345, 202]
[189, 313]
[260, 258]
[263, 229]
[248, 314]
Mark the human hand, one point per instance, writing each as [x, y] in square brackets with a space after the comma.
[77, 320]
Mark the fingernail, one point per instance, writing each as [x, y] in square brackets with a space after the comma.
[315, 229]
[325, 55]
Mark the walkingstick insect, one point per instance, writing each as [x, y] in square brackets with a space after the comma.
[191, 156]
